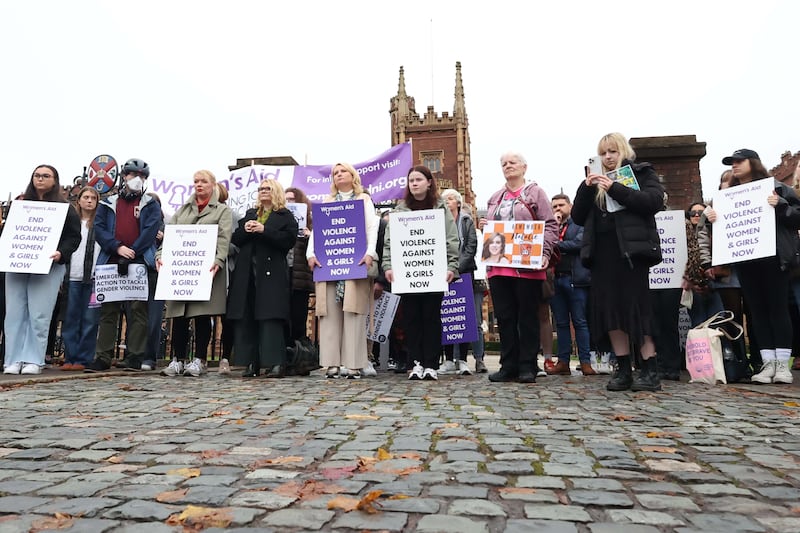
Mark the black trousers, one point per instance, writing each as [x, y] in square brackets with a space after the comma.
[516, 307]
[422, 322]
[765, 288]
[180, 336]
[666, 306]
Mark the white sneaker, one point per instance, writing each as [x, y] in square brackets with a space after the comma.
[430, 374]
[332, 372]
[195, 369]
[13, 368]
[30, 369]
[767, 373]
[416, 372]
[604, 366]
[391, 364]
[369, 371]
[448, 367]
[782, 373]
[224, 367]
[463, 368]
[344, 372]
[353, 374]
[174, 368]
[146, 367]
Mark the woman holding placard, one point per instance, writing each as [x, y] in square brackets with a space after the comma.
[517, 293]
[422, 310]
[342, 306]
[620, 245]
[79, 329]
[259, 292]
[203, 207]
[765, 281]
[33, 296]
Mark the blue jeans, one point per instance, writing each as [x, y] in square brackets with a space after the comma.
[79, 329]
[30, 301]
[567, 303]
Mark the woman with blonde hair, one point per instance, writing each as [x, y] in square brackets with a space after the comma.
[259, 292]
[342, 306]
[620, 247]
[203, 207]
[79, 329]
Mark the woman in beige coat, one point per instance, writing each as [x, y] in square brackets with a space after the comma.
[203, 207]
[343, 336]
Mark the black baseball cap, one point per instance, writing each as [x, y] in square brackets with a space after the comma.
[742, 153]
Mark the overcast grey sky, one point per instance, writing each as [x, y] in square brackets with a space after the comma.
[189, 85]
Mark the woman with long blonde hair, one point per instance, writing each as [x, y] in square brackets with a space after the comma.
[620, 246]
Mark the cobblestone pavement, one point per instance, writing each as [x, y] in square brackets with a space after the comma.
[144, 453]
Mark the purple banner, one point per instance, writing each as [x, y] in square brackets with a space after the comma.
[383, 176]
[340, 240]
[458, 312]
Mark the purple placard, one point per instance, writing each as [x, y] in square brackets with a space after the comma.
[340, 240]
[458, 312]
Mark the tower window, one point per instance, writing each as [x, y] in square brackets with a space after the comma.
[432, 160]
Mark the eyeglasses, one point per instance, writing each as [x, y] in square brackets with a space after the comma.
[265, 189]
[695, 213]
[42, 176]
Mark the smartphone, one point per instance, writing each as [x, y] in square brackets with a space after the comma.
[595, 165]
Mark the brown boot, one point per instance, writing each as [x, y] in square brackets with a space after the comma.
[559, 369]
[587, 370]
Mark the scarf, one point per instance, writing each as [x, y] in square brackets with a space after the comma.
[340, 197]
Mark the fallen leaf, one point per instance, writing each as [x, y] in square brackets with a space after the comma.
[791, 404]
[383, 455]
[175, 410]
[220, 413]
[398, 497]
[345, 503]
[210, 454]
[787, 412]
[201, 517]
[57, 521]
[659, 449]
[114, 459]
[366, 463]
[307, 489]
[362, 417]
[663, 435]
[338, 473]
[171, 496]
[185, 472]
[404, 471]
[451, 425]
[409, 455]
[239, 422]
[622, 418]
[368, 502]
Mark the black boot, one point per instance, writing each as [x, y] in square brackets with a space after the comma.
[622, 379]
[647, 378]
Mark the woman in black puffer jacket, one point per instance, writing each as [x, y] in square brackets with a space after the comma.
[620, 246]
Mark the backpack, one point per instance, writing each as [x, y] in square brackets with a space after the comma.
[555, 253]
[302, 358]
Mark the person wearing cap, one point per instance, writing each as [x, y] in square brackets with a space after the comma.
[765, 281]
[125, 227]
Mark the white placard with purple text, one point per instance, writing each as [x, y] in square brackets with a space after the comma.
[419, 251]
[187, 256]
[745, 225]
[31, 234]
[668, 274]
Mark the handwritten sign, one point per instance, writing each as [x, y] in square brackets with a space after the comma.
[745, 225]
[668, 274]
[31, 235]
[515, 244]
[109, 286]
[187, 256]
[419, 251]
[382, 317]
[340, 240]
[458, 312]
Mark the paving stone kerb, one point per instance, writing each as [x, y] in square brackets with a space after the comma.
[132, 451]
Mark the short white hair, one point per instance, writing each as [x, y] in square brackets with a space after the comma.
[452, 192]
[516, 155]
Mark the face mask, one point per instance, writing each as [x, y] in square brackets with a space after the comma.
[135, 184]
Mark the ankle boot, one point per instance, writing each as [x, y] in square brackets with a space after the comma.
[622, 379]
[647, 378]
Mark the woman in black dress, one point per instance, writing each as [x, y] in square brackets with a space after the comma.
[620, 245]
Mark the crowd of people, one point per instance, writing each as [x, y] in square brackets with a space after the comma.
[592, 278]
